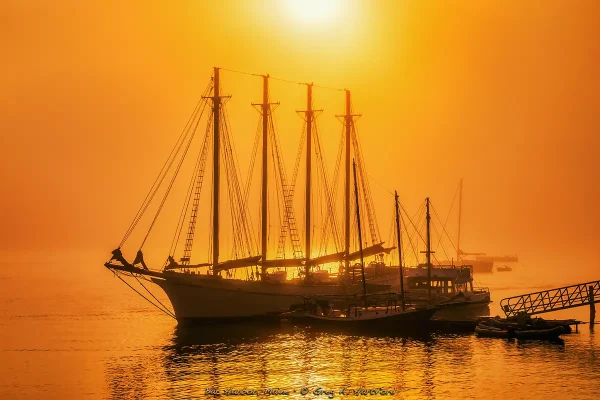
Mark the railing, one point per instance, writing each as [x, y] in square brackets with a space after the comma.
[551, 300]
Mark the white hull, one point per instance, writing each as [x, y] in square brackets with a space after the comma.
[207, 298]
[470, 303]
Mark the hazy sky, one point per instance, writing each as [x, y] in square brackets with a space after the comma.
[505, 94]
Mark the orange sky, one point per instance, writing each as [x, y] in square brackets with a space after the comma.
[502, 93]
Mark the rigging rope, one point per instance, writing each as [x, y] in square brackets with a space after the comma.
[411, 222]
[283, 222]
[198, 178]
[159, 179]
[334, 189]
[368, 198]
[166, 312]
[439, 237]
[174, 176]
[444, 229]
[198, 170]
[233, 190]
[243, 221]
[280, 79]
[151, 294]
[257, 137]
[289, 220]
[331, 216]
[409, 239]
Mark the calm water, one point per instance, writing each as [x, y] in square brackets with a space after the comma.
[81, 333]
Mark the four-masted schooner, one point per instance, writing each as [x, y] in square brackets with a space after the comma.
[210, 296]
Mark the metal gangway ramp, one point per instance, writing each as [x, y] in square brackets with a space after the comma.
[552, 300]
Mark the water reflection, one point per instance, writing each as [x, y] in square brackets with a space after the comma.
[127, 378]
[290, 357]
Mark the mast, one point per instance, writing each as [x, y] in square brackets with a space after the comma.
[362, 263]
[459, 220]
[265, 128]
[216, 179]
[428, 217]
[401, 267]
[349, 122]
[309, 122]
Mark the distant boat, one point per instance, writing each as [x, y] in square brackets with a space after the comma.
[493, 259]
[482, 263]
[505, 268]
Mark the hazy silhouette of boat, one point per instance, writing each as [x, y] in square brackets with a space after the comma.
[478, 262]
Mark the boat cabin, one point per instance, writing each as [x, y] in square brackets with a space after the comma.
[445, 279]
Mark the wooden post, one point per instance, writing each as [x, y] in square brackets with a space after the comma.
[592, 307]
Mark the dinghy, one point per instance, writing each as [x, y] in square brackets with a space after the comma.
[540, 334]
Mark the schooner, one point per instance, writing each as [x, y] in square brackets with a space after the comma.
[210, 296]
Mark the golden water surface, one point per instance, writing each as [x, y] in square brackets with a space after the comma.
[97, 339]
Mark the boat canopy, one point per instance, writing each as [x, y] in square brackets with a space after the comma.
[452, 273]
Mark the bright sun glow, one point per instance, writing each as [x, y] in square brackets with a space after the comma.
[312, 11]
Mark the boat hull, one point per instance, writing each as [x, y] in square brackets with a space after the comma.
[415, 319]
[490, 332]
[540, 334]
[205, 300]
[458, 305]
[211, 303]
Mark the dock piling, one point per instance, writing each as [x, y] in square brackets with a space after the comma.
[592, 307]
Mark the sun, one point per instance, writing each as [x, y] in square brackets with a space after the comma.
[313, 11]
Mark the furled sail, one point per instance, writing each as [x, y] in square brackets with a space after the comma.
[326, 259]
[239, 263]
[283, 263]
[190, 266]
[370, 251]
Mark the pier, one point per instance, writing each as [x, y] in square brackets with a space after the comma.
[562, 298]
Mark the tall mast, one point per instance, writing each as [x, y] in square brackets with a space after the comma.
[265, 134]
[362, 263]
[428, 217]
[459, 220]
[349, 122]
[309, 122]
[216, 179]
[401, 267]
